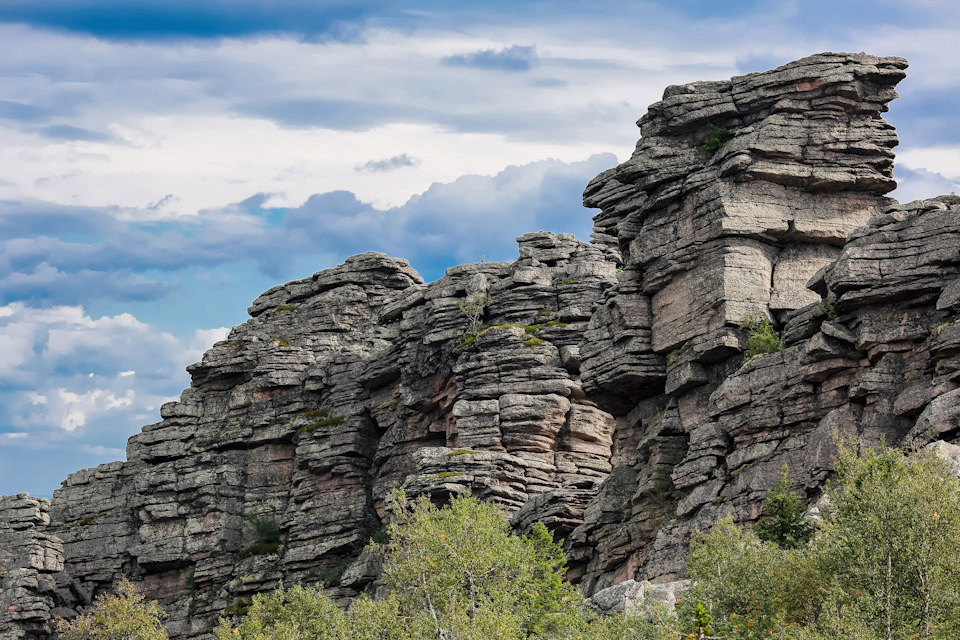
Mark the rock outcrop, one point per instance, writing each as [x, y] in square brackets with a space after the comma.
[606, 395]
[33, 586]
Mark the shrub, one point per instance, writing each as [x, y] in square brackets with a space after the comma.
[882, 565]
[265, 527]
[717, 136]
[453, 572]
[761, 338]
[123, 616]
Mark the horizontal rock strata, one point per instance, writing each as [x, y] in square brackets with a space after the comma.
[604, 393]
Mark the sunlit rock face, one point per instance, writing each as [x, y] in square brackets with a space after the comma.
[606, 395]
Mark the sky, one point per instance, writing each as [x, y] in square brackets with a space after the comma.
[163, 162]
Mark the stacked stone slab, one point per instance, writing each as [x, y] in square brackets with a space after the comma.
[605, 394]
[32, 586]
[737, 194]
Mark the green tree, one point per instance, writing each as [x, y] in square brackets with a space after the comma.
[453, 573]
[125, 615]
[883, 563]
[761, 337]
[785, 522]
[891, 541]
[464, 570]
[749, 588]
[474, 306]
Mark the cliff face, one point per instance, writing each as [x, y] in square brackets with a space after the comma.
[608, 395]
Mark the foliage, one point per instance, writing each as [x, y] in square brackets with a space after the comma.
[716, 138]
[123, 616]
[265, 527]
[329, 421]
[786, 523]
[474, 306]
[456, 573]
[761, 338]
[463, 574]
[748, 587]
[882, 565]
[190, 582]
[891, 542]
[259, 549]
[828, 306]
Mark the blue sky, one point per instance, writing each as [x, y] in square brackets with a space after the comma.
[165, 161]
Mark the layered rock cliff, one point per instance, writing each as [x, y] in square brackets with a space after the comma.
[607, 394]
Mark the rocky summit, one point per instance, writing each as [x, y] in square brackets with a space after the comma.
[605, 393]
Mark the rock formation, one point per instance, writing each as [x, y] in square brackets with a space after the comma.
[607, 394]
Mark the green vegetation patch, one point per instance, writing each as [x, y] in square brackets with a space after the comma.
[84, 522]
[461, 452]
[761, 338]
[322, 412]
[280, 342]
[716, 138]
[527, 328]
[442, 476]
[189, 583]
[533, 328]
[326, 422]
[284, 308]
[533, 343]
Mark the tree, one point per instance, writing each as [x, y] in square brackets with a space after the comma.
[883, 563]
[891, 541]
[749, 588]
[453, 573]
[786, 523]
[464, 571]
[474, 306]
[124, 616]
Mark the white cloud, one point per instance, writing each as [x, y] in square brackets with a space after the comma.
[942, 160]
[919, 184]
[70, 410]
[108, 452]
[202, 340]
[50, 355]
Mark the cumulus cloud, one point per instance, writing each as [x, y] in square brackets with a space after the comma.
[81, 385]
[333, 128]
[448, 223]
[920, 183]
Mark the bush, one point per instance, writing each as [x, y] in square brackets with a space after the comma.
[761, 338]
[454, 573]
[474, 307]
[265, 527]
[124, 616]
[717, 136]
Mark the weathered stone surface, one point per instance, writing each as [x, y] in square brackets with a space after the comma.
[606, 395]
[31, 561]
